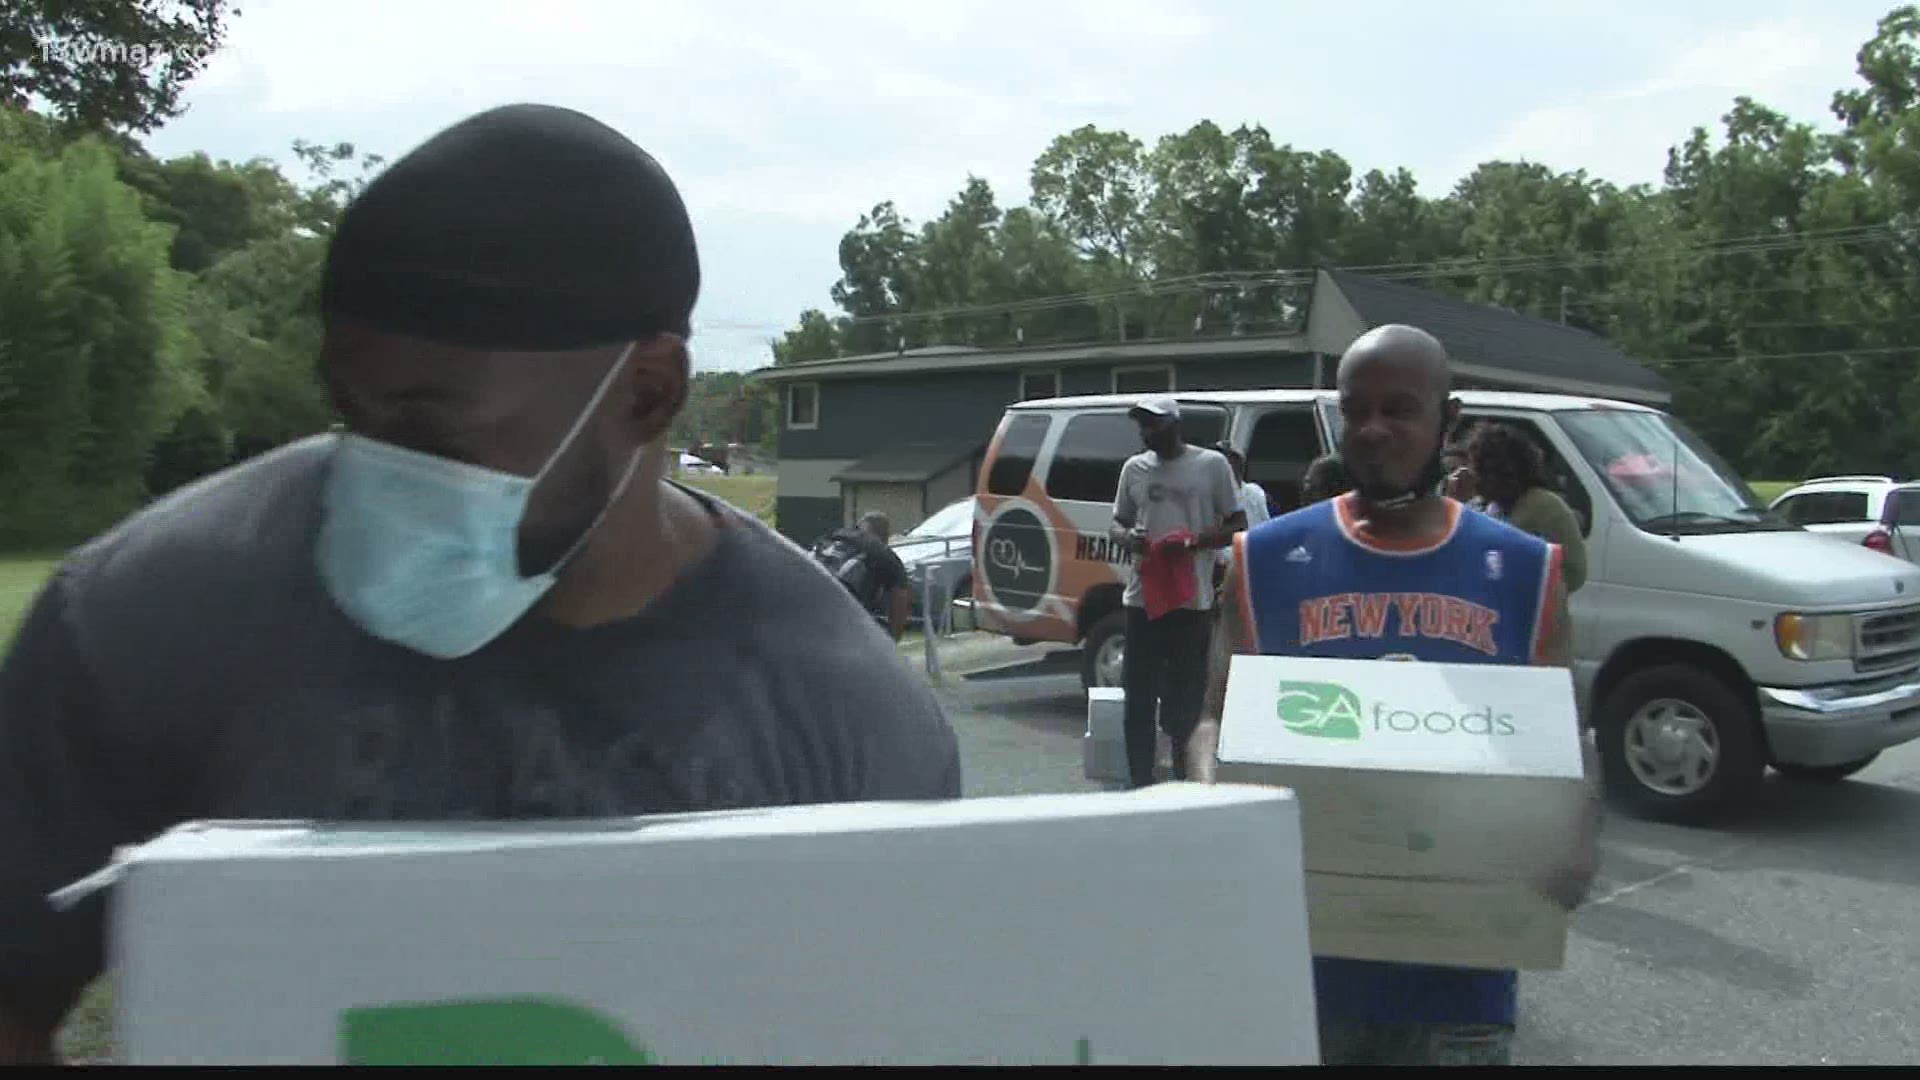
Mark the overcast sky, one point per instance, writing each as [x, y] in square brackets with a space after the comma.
[783, 122]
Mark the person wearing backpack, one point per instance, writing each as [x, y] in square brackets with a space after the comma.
[860, 559]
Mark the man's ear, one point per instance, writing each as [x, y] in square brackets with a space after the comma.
[661, 382]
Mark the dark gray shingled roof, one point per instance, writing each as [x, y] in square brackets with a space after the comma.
[913, 462]
[1495, 337]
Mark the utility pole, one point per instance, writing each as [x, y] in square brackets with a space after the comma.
[1566, 293]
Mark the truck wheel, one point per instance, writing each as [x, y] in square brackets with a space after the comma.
[1824, 774]
[1103, 654]
[1677, 744]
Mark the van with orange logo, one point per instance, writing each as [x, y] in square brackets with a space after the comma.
[1712, 640]
[1044, 569]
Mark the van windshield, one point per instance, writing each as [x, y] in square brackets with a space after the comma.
[1663, 476]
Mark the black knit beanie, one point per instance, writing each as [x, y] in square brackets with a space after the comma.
[526, 227]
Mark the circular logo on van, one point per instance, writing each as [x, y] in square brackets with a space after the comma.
[1017, 558]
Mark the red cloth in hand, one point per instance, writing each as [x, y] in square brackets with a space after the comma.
[1167, 580]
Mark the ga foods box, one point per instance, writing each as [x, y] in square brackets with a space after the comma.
[1161, 926]
[1436, 798]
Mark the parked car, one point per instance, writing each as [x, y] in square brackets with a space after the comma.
[1877, 512]
[942, 545]
[1713, 638]
[693, 465]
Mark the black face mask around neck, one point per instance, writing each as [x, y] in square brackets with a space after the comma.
[1432, 475]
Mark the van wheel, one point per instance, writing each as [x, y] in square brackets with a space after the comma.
[1677, 744]
[1103, 654]
[1824, 774]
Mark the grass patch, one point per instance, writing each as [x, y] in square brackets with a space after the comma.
[753, 494]
[88, 1036]
[1769, 490]
[20, 579]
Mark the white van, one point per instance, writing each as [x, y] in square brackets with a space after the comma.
[1712, 638]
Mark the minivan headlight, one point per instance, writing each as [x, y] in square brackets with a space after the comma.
[1814, 637]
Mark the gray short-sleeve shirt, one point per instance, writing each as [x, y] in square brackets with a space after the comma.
[1194, 492]
[188, 664]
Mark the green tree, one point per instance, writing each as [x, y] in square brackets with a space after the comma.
[107, 65]
[96, 360]
[1097, 185]
[1391, 225]
[879, 276]
[815, 338]
[259, 323]
[215, 207]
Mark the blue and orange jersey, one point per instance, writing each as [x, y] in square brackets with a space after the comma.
[1317, 584]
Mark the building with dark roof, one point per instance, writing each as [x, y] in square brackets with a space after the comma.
[904, 432]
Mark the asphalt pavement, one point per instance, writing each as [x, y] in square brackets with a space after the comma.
[1789, 935]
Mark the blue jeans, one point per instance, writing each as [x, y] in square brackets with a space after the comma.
[1360, 1042]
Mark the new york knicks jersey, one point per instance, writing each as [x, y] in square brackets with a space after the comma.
[1314, 584]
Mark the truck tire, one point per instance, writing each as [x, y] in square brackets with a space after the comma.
[1102, 652]
[1824, 774]
[1678, 744]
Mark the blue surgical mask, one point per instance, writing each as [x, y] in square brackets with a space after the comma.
[424, 551]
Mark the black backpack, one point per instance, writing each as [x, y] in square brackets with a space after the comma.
[844, 554]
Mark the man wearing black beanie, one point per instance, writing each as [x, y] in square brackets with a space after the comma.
[482, 600]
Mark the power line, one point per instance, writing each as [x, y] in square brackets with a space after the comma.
[1378, 269]
[1518, 264]
[1623, 301]
[1827, 353]
[1187, 286]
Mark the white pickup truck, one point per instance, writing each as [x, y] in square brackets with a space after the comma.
[1875, 512]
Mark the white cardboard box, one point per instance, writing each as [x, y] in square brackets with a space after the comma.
[1103, 750]
[1436, 799]
[1166, 925]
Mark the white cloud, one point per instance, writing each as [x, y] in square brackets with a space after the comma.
[783, 123]
[1623, 134]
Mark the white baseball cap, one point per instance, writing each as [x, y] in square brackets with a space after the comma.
[1158, 405]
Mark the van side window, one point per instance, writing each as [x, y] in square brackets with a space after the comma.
[1903, 507]
[1284, 442]
[1086, 465]
[1825, 507]
[1566, 484]
[1019, 446]
[1202, 425]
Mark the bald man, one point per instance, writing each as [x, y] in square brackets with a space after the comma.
[1297, 585]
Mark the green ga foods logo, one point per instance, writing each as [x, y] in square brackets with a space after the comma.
[1331, 711]
[1322, 710]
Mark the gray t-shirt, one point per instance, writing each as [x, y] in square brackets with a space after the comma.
[189, 665]
[1195, 491]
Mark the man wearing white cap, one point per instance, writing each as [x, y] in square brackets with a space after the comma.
[1174, 502]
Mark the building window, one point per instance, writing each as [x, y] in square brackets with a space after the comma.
[803, 406]
[1145, 380]
[1039, 384]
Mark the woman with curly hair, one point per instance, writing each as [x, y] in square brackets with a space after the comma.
[1510, 473]
[1325, 478]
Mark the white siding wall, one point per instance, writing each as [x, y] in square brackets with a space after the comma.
[900, 502]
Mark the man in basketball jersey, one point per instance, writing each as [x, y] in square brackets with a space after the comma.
[1395, 570]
